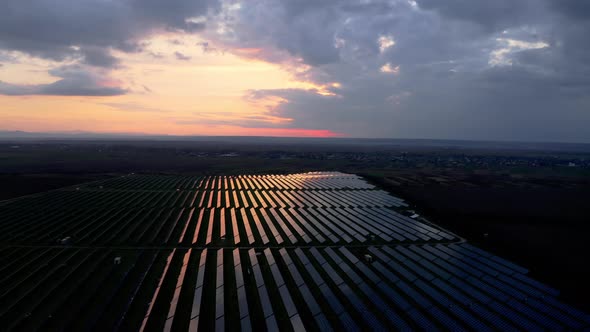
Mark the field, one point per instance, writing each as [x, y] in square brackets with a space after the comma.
[307, 251]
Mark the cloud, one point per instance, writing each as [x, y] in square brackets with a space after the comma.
[132, 107]
[506, 69]
[146, 89]
[99, 57]
[87, 33]
[579, 10]
[54, 29]
[301, 29]
[491, 15]
[206, 48]
[456, 106]
[74, 81]
[180, 56]
[500, 56]
[385, 42]
[390, 69]
[176, 42]
[156, 55]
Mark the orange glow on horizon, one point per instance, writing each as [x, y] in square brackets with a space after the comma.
[205, 94]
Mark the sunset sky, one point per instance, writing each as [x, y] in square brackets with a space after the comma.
[490, 70]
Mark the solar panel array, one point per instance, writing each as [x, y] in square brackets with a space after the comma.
[215, 211]
[314, 251]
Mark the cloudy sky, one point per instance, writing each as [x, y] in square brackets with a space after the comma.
[453, 69]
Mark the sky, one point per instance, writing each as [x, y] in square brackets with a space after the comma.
[455, 69]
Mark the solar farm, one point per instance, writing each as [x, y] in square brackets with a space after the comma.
[312, 251]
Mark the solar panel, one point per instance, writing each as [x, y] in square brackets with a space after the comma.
[409, 291]
[477, 295]
[196, 304]
[332, 300]
[334, 276]
[394, 296]
[262, 291]
[245, 202]
[246, 224]
[540, 319]
[348, 323]
[455, 294]
[435, 270]
[210, 226]
[445, 320]
[515, 318]
[419, 319]
[310, 301]
[559, 316]
[487, 289]
[245, 324]
[242, 302]
[277, 275]
[259, 226]
[492, 318]
[258, 276]
[179, 283]
[287, 301]
[432, 280]
[393, 318]
[222, 224]
[219, 303]
[536, 284]
[385, 272]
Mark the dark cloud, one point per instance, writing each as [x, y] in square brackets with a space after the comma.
[573, 8]
[500, 103]
[50, 29]
[99, 57]
[303, 29]
[180, 56]
[86, 32]
[506, 69]
[176, 42]
[156, 55]
[497, 14]
[74, 81]
[173, 14]
[206, 48]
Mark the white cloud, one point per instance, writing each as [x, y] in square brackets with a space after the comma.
[385, 42]
[388, 68]
[339, 42]
[501, 56]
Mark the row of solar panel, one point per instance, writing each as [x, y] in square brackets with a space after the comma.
[122, 226]
[74, 289]
[217, 227]
[322, 180]
[247, 227]
[63, 199]
[298, 198]
[332, 289]
[144, 182]
[264, 199]
[452, 287]
[284, 182]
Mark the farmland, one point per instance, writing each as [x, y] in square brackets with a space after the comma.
[307, 251]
